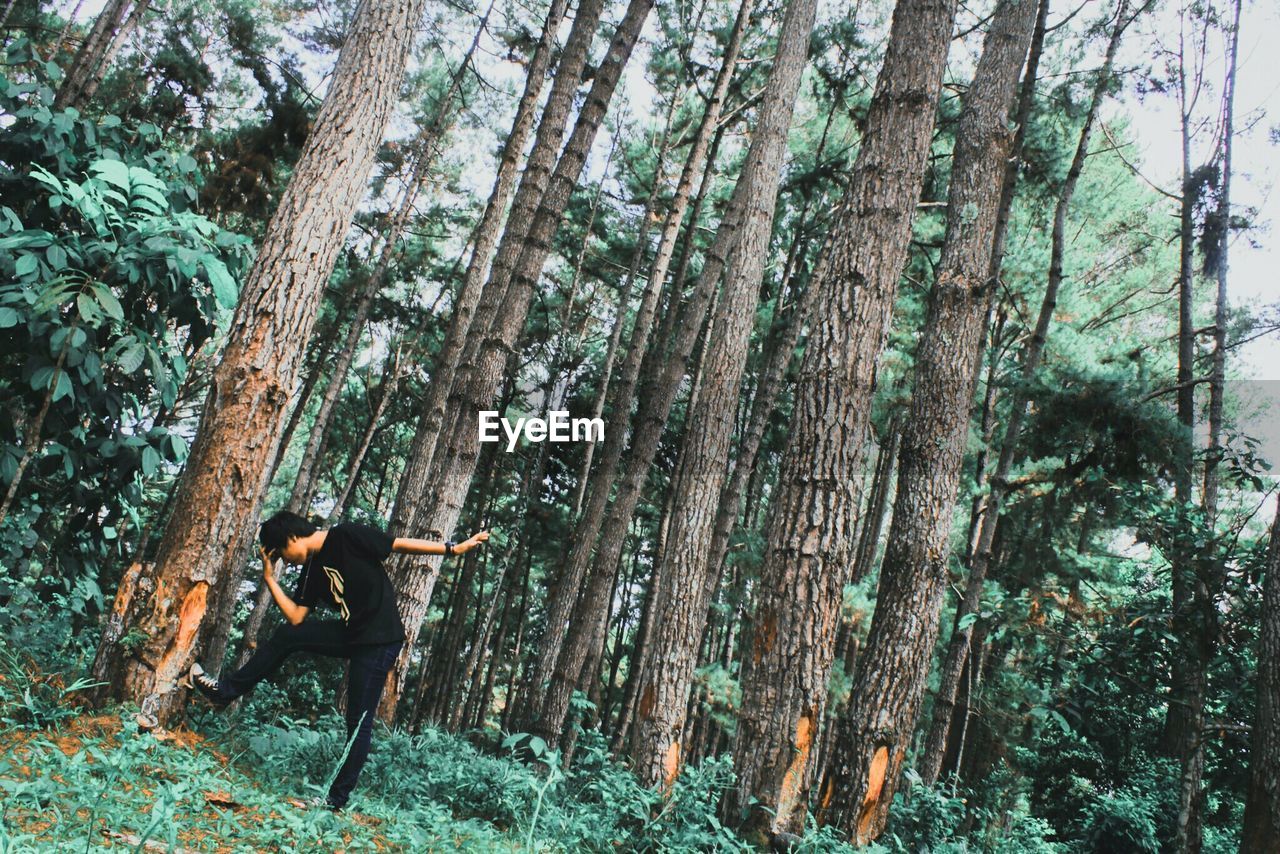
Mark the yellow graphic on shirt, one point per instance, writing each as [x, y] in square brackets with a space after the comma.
[336, 588]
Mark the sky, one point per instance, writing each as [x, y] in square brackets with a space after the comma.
[1254, 278]
[1254, 267]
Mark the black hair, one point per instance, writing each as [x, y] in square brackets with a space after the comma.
[274, 533]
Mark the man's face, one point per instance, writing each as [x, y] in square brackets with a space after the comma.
[294, 551]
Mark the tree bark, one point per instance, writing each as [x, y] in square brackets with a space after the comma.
[958, 646]
[683, 593]
[475, 391]
[810, 529]
[412, 491]
[894, 663]
[390, 381]
[561, 607]
[980, 563]
[92, 61]
[225, 478]
[426, 147]
[1206, 583]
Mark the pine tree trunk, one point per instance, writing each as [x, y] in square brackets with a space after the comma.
[683, 592]
[426, 147]
[304, 484]
[1261, 833]
[113, 25]
[622, 396]
[455, 461]
[1180, 731]
[810, 529]
[390, 381]
[1196, 622]
[957, 651]
[225, 478]
[412, 491]
[770, 383]
[894, 662]
[958, 647]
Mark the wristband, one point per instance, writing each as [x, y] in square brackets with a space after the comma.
[448, 548]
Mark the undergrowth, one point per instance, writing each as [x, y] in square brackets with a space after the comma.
[74, 780]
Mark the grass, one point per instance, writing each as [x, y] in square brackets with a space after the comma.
[78, 780]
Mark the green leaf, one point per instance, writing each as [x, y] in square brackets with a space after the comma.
[967, 620]
[56, 256]
[8, 317]
[130, 359]
[63, 388]
[41, 378]
[150, 460]
[108, 301]
[30, 238]
[224, 286]
[44, 176]
[111, 171]
[26, 265]
[88, 309]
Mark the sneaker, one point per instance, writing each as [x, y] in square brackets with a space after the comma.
[314, 803]
[204, 683]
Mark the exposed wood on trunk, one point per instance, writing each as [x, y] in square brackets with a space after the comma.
[683, 592]
[894, 662]
[225, 478]
[810, 529]
[622, 393]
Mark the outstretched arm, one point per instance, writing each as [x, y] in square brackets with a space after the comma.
[293, 612]
[411, 546]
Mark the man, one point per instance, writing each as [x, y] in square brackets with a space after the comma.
[342, 568]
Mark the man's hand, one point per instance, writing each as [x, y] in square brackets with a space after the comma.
[293, 612]
[268, 563]
[471, 542]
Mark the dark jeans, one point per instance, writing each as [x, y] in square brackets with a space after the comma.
[370, 664]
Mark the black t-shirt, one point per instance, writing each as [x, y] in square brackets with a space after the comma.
[347, 574]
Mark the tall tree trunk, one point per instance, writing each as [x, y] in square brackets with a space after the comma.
[426, 147]
[810, 529]
[1262, 804]
[391, 374]
[770, 382]
[1206, 568]
[1180, 730]
[455, 461]
[894, 663]
[622, 394]
[958, 646]
[225, 478]
[624, 297]
[321, 350]
[412, 491]
[682, 595]
[113, 25]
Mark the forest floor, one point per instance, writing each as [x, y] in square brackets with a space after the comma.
[96, 782]
[74, 779]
